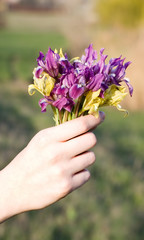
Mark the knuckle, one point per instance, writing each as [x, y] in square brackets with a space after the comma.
[61, 172]
[53, 156]
[65, 182]
[67, 187]
[40, 137]
[53, 152]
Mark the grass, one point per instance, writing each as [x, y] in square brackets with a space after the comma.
[19, 50]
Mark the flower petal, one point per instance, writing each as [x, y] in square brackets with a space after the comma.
[51, 63]
[43, 103]
[95, 82]
[90, 55]
[40, 60]
[129, 86]
[32, 88]
[76, 91]
[38, 72]
[60, 103]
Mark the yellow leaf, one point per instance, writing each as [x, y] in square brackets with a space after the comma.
[44, 84]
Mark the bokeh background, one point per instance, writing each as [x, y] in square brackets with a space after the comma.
[111, 205]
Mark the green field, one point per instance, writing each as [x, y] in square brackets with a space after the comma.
[111, 205]
[19, 50]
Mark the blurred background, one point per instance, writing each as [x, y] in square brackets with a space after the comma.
[111, 205]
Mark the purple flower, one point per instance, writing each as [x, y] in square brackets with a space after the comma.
[95, 82]
[73, 79]
[102, 60]
[38, 72]
[63, 103]
[44, 102]
[60, 90]
[68, 80]
[116, 70]
[52, 65]
[126, 80]
[90, 55]
[40, 60]
[76, 91]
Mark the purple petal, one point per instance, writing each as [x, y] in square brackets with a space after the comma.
[60, 103]
[38, 72]
[104, 86]
[96, 69]
[76, 91]
[82, 80]
[64, 66]
[119, 72]
[62, 90]
[69, 105]
[102, 60]
[40, 60]
[64, 103]
[127, 64]
[95, 82]
[90, 55]
[68, 80]
[41, 56]
[51, 63]
[112, 63]
[43, 104]
[88, 73]
[129, 86]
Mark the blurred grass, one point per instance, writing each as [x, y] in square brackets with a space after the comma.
[19, 50]
[111, 205]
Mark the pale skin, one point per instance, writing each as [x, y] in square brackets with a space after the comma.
[51, 166]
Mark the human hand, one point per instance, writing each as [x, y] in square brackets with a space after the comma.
[52, 165]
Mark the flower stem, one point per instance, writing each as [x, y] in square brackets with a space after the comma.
[60, 117]
[65, 116]
[77, 107]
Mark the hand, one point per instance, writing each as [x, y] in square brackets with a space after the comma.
[51, 166]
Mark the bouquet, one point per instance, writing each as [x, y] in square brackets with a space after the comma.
[80, 86]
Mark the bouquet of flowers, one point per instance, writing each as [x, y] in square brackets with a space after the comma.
[79, 86]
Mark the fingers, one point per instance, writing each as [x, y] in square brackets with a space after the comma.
[81, 162]
[76, 127]
[80, 144]
[80, 178]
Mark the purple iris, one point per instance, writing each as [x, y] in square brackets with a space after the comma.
[73, 80]
[116, 70]
[44, 102]
[64, 103]
[50, 64]
[90, 56]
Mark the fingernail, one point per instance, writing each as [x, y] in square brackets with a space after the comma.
[102, 115]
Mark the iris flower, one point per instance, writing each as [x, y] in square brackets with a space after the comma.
[79, 86]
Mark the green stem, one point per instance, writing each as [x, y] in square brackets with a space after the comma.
[60, 116]
[65, 116]
[77, 107]
[56, 115]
